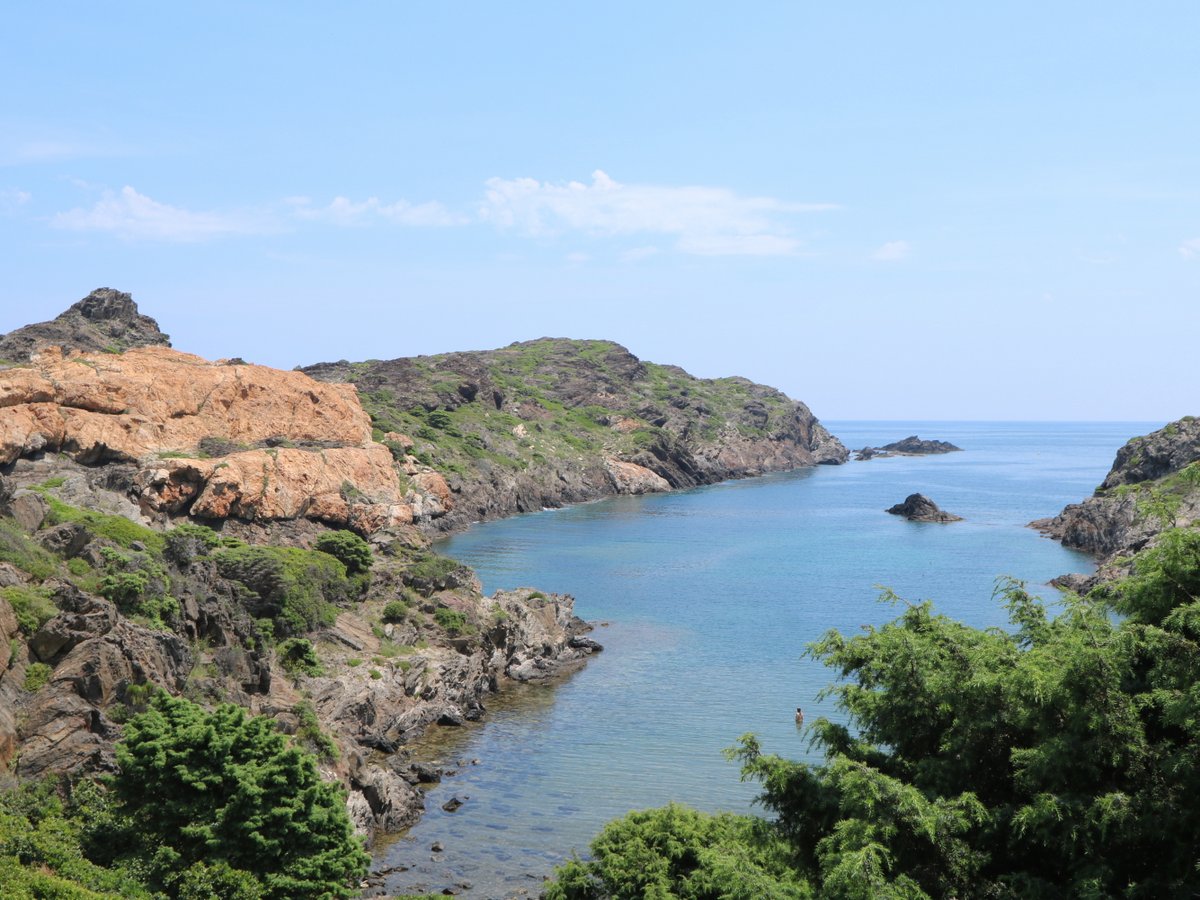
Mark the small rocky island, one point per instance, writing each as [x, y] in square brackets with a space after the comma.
[910, 446]
[919, 508]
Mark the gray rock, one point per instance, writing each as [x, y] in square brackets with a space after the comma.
[919, 508]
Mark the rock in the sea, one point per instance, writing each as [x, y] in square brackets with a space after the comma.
[910, 446]
[919, 508]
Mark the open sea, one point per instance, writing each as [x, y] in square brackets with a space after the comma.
[707, 599]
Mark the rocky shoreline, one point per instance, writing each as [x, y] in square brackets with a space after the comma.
[110, 441]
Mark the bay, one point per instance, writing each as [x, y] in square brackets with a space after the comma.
[708, 598]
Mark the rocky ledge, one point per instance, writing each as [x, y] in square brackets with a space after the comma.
[919, 508]
[910, 446]
[1154, 484]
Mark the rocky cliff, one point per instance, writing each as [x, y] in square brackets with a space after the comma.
[1154, 484]
[554, 421]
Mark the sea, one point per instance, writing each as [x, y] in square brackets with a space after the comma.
[705, 601]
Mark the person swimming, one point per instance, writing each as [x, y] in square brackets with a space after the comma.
[799, 716]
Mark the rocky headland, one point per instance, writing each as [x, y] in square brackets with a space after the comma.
[909, 446]
[919, 508]
[235, 533]
[554, 421]
[1153, 485]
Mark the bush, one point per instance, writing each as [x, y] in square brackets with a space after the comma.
[188, 542]
[347, 547]
[294, 588]
[223, 789]
[452, 620]
[36, 676]
[298, 657]
[32, 605]
[138, 584]
[429, 573]
[17, 548]
[395, 611]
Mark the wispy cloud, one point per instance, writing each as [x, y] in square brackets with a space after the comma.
[1190, 249]
[345, 212]
[12, 200]
[703, 220]
[128, 214]
[892, 251]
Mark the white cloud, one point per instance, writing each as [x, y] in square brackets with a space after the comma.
[345, 212]
[11, 200]
[1190, 249]
[892, 251]
[704, 220]
[135, 216]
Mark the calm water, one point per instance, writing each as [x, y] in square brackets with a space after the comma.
[708, 598]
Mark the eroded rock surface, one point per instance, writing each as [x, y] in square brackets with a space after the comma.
[104, 320]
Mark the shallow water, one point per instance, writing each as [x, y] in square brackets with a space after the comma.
[708, 598]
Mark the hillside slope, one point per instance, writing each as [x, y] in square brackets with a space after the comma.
[553, 421]
[1154, 485]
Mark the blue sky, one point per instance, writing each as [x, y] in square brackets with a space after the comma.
[918, 210]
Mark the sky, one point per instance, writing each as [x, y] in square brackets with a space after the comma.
[889, 211]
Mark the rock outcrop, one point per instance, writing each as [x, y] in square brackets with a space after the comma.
[554, 421]
[909, 446]
[919, 508]
[104, 320]
[211, 440]
[1154, 484]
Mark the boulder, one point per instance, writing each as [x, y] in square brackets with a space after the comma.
[919, 508]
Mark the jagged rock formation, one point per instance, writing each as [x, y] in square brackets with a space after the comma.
[554, 421]
[104, 320]
[1154, 484]
[919, 508]
[910, 446]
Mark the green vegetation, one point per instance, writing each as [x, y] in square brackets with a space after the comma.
[117, 529]
[186, 543]
[226, 791]
[36, 676]
[453, 621]
[309, 731]
[395, 611]
[1057, 759]
[299, 657]
[553, 385]
[205, 805]
[347, 547]
[32, 604]
[139, 585]
[20, 550]
[296, 589]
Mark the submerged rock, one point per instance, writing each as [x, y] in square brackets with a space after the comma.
[919, 508]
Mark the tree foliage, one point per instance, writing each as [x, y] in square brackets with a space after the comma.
[1058, 758]
[219, 796]
[346, 546]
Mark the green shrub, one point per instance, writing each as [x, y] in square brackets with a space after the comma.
[452, 620]
[430, 572]
[224, 789]
[376, 674]
[346, 546]
[32, 605]
[299, 657]
[188, 542]
[308, 730]
[295, 588]
[36, 676]
[138, 584]
[395, 611]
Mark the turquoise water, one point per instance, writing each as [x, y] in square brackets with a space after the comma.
[708, 598]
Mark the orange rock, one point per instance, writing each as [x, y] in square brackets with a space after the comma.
[153, 400]
[154, 406]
